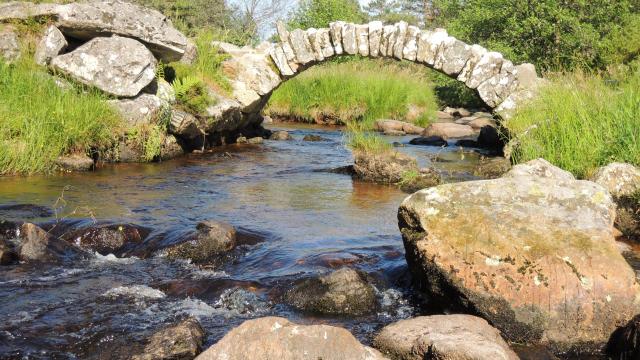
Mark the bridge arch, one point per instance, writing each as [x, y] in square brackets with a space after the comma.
[256, 72]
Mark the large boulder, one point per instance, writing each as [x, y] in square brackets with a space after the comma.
[179, 341]
[9, 44]
[212, 238]
[384, 167]
[90, 19]
[274, 338]
[459, 337]
[535, 256]
[50, 45]
[342, 292]
[116, 65]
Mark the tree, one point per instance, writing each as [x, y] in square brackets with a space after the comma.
[191, 15]
[553, 34]
[392, 11]
[319, 13]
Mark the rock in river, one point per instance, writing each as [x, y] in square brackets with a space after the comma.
[108, 239]
[212, 238]
[459, 337]
[384, 167]
[535, 256]
[275, 338]
[342, 292]
[37, 245]
[116, 65]
[180, 341]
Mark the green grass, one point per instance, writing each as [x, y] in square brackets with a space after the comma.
[358, 138]
[580, 122]
[362, 90]
[208, 65]
[39, 121]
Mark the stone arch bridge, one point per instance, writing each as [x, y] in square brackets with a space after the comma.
[256, 72]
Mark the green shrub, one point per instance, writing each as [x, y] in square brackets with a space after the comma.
[552, 34]
[580, 122]
[39, 121]
[191, 94]
[319, 13]
[148, 138]
[364, 90]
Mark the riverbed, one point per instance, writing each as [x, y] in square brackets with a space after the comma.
[299, 218]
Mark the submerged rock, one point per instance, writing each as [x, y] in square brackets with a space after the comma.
[460, 337]
[114, 239]
[342, 292]
[387, 126]
[23, 212]
[94, 64]
[275, 338]
[177, 342]
[535, 256]
[212, 238]
[429, 141]
[280, 135]
[384, 167]
[313, 138]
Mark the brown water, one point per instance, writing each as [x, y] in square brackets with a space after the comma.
[309, 221]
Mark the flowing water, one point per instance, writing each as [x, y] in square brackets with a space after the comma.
[301, 220]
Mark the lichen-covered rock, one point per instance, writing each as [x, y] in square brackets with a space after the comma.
[498, 88]
[539, 168]
[342, 292]
[429, 45]
[301, 47]
[459, 337]
[410, 50]
[335, 30]
[274, 338]
[453, 56]
[398, 44]
[621, 179]
[212, 238]
[116, 65]
[185, 125]
[487, 67]
[535, 256]
[9, 44]
[180, 341]
[362, 37]
[449, 130]
[383, 168]
[140, 110]
[349, 39]
[50, 45]
[375, 36]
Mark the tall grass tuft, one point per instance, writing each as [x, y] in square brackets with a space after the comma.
[580, 122]
[363, 90]
[358, 138]
[39, 121]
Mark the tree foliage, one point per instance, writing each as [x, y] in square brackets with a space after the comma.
[319, 13]
[553, 34]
